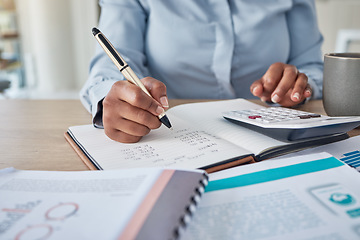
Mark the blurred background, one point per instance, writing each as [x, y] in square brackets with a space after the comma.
[46, 45]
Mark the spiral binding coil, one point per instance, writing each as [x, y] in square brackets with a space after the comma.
[189, 211]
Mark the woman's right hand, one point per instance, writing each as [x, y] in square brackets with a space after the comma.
[129, 113]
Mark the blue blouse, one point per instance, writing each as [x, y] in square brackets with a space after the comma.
[205, 48]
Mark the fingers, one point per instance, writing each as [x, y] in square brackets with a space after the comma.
[285, 83]
[264, 87]
[127, 92]
[300, 88]
[273, 76]
[157, 90]
[115, 111]
[282, 84]
[120, 136]
[308, 91]
[257, 88]
[129, 113]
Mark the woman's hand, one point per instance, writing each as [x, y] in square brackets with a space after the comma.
[129, 113]
[283, 84]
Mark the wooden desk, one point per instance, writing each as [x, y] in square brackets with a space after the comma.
[31, 132]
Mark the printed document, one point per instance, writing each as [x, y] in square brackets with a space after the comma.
[308, 197]
[30, 197]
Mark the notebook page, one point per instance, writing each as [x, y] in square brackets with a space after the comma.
[208, 116]
[184, 147]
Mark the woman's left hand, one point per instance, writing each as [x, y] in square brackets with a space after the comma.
[283, 84]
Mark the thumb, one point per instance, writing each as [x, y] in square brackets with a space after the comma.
[257, 88]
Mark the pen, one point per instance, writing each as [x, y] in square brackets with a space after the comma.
[124, 68]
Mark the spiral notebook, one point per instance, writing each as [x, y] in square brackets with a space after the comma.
[115, 204]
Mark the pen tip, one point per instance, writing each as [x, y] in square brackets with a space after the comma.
[95, 31]
[164, 119]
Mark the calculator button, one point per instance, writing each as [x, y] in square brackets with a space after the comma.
[304, 116]
[254, 116]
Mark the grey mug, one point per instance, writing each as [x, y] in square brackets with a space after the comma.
[341, 84]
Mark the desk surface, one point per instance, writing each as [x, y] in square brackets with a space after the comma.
[32, 132]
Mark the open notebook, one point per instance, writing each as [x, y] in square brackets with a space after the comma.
[201, 139]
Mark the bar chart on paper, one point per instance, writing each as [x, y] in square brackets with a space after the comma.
[352, 159]
[348, 151]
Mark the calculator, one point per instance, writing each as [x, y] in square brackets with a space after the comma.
[290, 124]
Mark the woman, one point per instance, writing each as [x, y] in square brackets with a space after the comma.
[269, 49]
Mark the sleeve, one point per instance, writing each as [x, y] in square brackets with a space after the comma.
[123, 23]
[306, 41]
